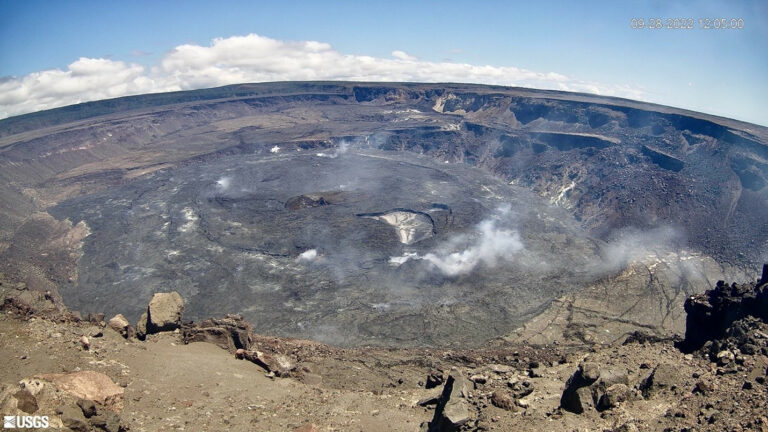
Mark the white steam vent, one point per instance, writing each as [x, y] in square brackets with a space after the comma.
[223, 183]
[340, 150]
[308, 255]
[492, 245]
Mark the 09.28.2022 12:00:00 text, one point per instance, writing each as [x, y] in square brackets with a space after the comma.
[687, 23]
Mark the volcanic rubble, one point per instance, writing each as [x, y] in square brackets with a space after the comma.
[93, 374]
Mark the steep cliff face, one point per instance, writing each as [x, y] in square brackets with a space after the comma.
[202, 192]
[711, 315]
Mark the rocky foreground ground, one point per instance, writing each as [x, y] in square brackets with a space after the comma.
[90, 373]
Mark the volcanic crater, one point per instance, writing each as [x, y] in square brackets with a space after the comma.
[386, 214]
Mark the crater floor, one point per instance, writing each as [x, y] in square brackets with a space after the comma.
[222, 235]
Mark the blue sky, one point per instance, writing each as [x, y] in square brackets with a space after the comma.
[132, 47]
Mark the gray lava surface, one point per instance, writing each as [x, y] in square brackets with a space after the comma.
[222, 235]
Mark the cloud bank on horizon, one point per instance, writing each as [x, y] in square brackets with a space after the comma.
[255, 58]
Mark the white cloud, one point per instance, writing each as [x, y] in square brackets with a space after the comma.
[402, 55]
[255, 58]
[84, 80]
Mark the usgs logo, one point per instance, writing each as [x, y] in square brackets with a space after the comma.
[13, 422]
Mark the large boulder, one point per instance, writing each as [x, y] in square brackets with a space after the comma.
[72, 417]
[664, 377]
[452, 411]
[91, 386]
[613, 396]
[164, 313]
[588, 388]
[577, 395]
[121, 325]
[230, 333]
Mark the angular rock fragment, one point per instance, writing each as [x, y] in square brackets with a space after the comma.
[96, 319]
[453, 409]
[500, 368]
[589, 385]
[164, 312]
[87, 407]
[121, 325]
[74, 419]
[279, 364]
[576, 396]
[535, 372]
[703, 387]
[503, 400]
[663, 377]
[141, 326]
[429, 400]
[725, 357]
[107, 421]
[85, 343]
[519, 388]
[613, 396]
[434, 379]
[26, 401]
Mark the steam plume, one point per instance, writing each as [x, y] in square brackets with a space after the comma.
[492, 245]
